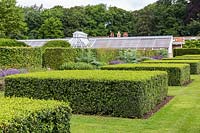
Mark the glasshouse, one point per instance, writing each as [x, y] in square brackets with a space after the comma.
[80, 40]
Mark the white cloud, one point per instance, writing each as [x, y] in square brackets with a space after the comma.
[124, 4]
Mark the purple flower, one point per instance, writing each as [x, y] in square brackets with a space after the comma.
[2, 73]
[159, 57]
[7, 72]
[116, 62]
[11, 71]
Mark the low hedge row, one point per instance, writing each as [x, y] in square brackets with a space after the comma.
[194, 64]
[57, 43]
[178, 74]
[76, 66]
[184, 57]
[20, 57]
[23, 115]
[185, 51]
[115, 93]
[4, 42]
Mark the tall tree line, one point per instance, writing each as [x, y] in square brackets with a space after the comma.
[164, 17]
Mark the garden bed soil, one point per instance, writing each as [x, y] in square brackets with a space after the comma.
[158, 107]
[189, 82]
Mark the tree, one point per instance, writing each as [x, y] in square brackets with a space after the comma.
[52, 28]
[34, 20]
[193, 9]
[11, 19]
[74, 19]
[193, 28]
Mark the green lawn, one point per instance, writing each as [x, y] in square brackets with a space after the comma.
[181, 115]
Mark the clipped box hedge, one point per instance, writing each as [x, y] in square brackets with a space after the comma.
[178, 74]
[115, 93]
[184, 57]
[185, 51]
[20, 57]
[194, 64]
[23, 115]
[55, 57]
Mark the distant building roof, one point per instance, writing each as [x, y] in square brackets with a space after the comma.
[149, 42]
[39, 42]
[79, 40]
[192, 37]
[179, 41]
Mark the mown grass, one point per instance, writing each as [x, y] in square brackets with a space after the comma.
[181, 115]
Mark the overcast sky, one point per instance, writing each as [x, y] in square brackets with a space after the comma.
[124, 4]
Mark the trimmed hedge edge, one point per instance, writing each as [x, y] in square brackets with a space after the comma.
[28, 115]
[178, 74]
[115, 93]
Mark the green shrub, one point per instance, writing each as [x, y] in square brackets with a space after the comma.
[89, 56]
[115, 93]
[20, 57]
[57, 43]
[178, 74]
[185, 51]
[23, 115]
[11, 43]
[152, 53]
[194, 64]
[76, 66]
[106, 55]
[55, 57]
[192, 44]
[128, 56]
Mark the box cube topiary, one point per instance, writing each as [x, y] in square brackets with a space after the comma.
[115, 93]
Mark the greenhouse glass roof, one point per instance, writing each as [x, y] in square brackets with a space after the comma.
[151, 42]
[39, 42]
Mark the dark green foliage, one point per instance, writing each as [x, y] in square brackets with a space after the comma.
[57, 43]
[26, 115]
[51, 28]
[76, 66]
[55, 57]
[194, 64]
[11, 43]
[192, 44]
[115, 93]
[185, 51]
[20, 57]
[165, 17]
[12, 20]
[178, 74]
